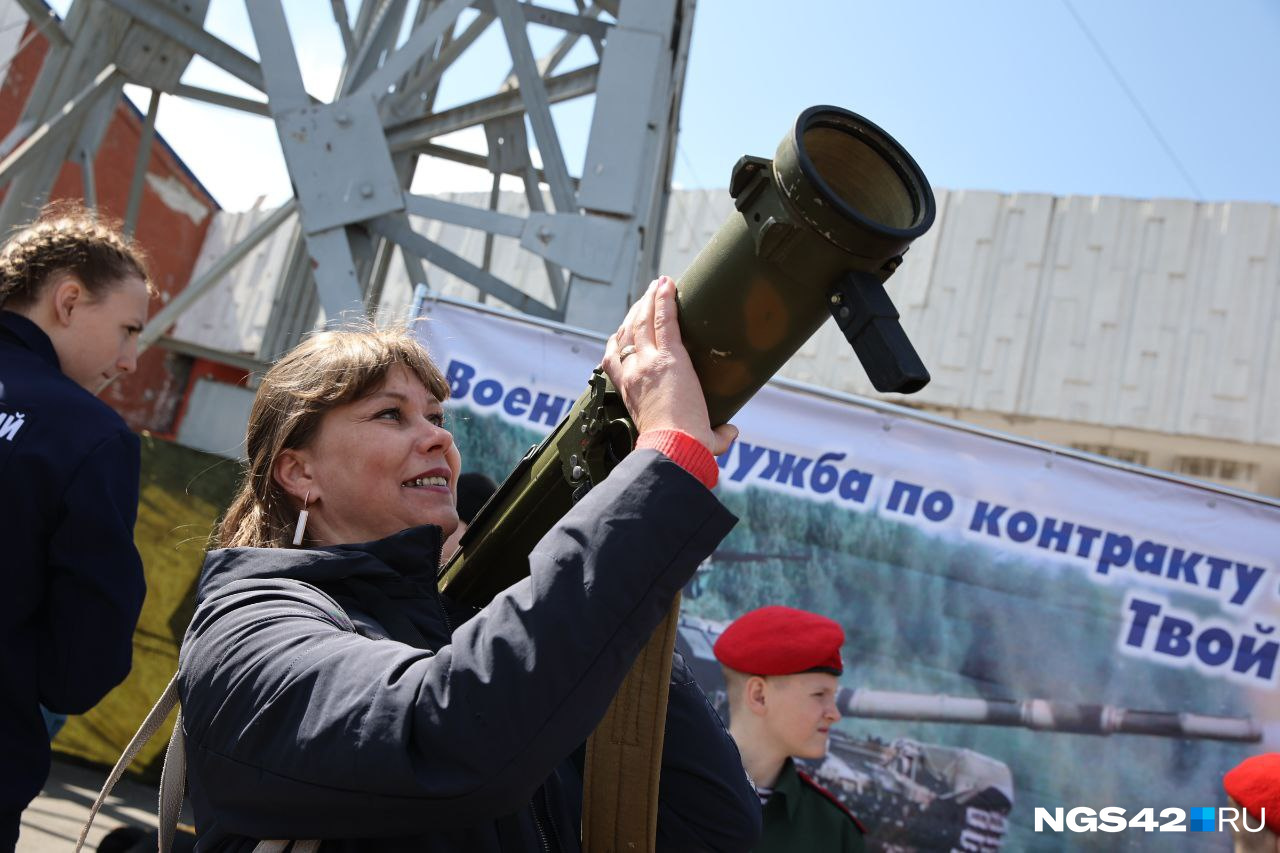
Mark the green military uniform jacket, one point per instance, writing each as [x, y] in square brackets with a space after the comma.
[801, 815]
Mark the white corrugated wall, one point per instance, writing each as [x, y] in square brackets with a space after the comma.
[1151, 315]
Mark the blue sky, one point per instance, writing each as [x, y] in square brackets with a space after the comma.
[1007, 95]
[1133, 98]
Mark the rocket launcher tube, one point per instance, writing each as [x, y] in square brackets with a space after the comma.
[834, 210]
[840, 202]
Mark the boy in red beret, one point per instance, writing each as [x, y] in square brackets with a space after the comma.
[1253, 786]
[782, 669]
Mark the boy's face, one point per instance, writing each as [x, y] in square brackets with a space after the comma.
[800, 710]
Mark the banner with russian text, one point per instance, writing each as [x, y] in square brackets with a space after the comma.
[1027, 628]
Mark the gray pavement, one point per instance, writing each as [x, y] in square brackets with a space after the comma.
[52, 822]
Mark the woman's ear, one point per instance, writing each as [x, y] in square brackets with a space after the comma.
[292, 473]
[67, 293]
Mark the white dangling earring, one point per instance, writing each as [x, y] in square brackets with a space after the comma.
[302, 521]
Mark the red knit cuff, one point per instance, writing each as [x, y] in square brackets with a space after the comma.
[684, 450]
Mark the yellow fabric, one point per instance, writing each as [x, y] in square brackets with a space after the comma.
[183, 492]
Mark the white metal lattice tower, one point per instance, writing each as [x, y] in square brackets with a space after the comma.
[351, 160]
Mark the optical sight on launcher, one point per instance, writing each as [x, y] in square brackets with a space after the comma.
[815, 233]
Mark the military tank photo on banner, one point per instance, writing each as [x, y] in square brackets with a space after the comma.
[1011, 659]
[918, 796]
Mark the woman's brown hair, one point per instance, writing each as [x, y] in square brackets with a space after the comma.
[67, 238]
[326, 370]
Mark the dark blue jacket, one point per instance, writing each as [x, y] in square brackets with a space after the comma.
[73, 583]
[332, 693]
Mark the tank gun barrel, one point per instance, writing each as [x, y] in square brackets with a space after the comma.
[1043, 715]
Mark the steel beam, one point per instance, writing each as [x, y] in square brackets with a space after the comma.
[297, 301]
[334, 268]
[486, 258]
[247, 363]
[50, 130]
[413, 266]
[295, 305]
[195, 39]
[509, 153]
[140, 164]
[16, 135]
[464, 215]
[593, 11]
[344, 26]
[222, 99]
[398, 105]
[46, 21]
[416, 133]
[169, 314]
[377, 35]
[659, 200]
[420, 41]
[87, 179]
[413, 80]
[586, 24]
[537, 107]
[555, 275]
[65, 75]
[60, 64]
[435, 254]
[633, 131]
[404, 166]
[334, 265]
[470, 158]
[281, 76]
[549, 63]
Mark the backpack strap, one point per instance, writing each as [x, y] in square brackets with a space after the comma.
[173, 783]
[173, 787]
[155, 717]
[173, 774]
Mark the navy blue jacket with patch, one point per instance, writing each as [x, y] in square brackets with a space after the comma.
[73, 583]
[332, 693]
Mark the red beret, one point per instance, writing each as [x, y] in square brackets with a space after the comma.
[1255, 784]
[781, 641]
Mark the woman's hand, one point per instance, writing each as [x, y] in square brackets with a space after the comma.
[650, 367]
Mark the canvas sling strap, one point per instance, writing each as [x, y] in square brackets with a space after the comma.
[173, 778]
[624, 753]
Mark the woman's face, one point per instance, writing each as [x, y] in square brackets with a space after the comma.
[99, 338]
[380, 465]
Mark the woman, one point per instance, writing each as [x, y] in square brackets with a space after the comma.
[73, 298]
[330, 692]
